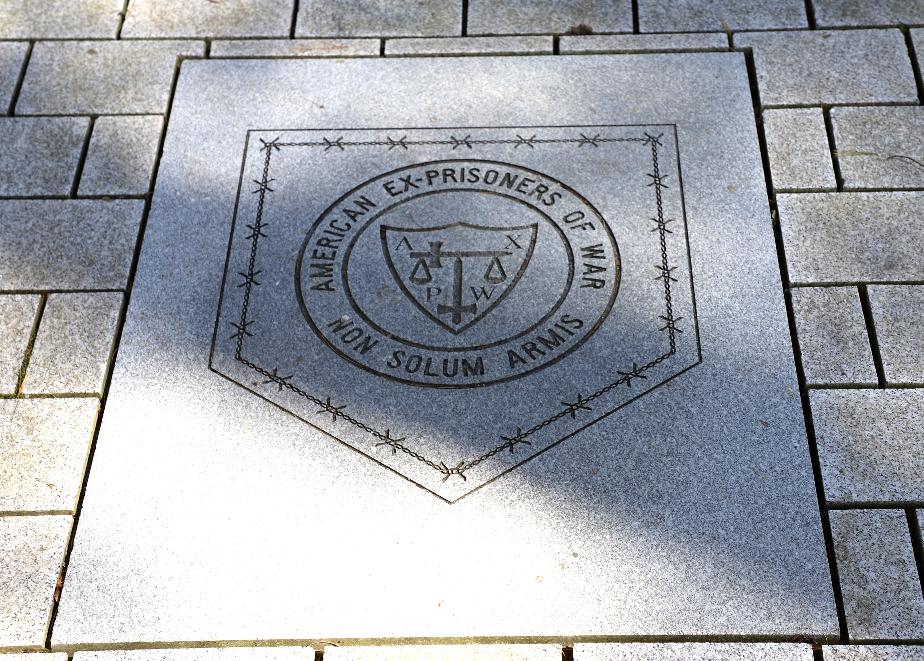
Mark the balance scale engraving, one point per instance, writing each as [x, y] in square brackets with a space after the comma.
[469, 300]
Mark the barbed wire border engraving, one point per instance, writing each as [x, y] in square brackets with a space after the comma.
[278, 378]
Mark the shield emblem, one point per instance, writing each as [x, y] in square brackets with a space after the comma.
[457, 273]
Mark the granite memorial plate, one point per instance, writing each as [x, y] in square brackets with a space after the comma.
[454, 348]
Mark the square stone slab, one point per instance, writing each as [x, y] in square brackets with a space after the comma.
[406, 358]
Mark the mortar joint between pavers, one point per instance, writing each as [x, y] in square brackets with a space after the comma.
[82, 159]
[870, 321]
[917, 543]
[915, 63]
[832, 147]
[810, 14]
[294, 21]
[122, 15]
[21, 78]
[30, 345]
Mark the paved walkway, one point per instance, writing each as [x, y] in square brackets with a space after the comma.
[86, 87]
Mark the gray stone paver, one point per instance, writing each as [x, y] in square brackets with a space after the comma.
[838, 66]
[832, 336]
[444, 652]
[879, 579]
[873, 652]
[696, 15]
[869, 444]
[836, 13]
[629, 43]
[295, 48]
[880, 147]
[12, 56]
[379, 18]
[17, 317]
[67, 244]
[692, 652]
[897, 313]
[120, 158]
[204, 654]
[101, 77]
[797, 145]
[853, 237]
[30, 656]
[43, 449]
[73, 344]
[32, 551]
[548, 16]
[181, 18]
[520, 45]
[59, 19]
[40, 154]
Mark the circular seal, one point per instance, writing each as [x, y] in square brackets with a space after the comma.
[457, 273]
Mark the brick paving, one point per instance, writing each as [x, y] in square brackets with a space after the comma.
[86, 88]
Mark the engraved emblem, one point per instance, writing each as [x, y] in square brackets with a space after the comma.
[523, 274]
[453, 302]
[458, 273]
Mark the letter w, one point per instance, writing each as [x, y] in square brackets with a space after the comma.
[483, 293]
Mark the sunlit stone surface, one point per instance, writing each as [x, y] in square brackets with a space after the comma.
[454, 348]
